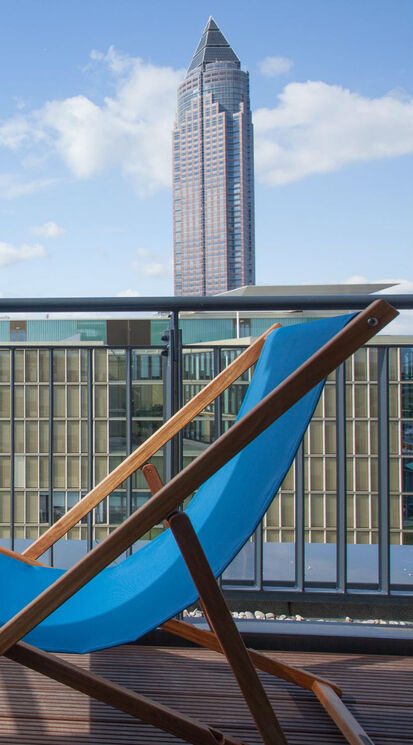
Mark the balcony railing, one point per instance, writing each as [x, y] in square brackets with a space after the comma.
[342, 521]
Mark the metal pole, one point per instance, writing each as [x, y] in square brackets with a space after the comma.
[341, 530]
[299, 518]
[12, 447]
[383, 465]
[90, 413]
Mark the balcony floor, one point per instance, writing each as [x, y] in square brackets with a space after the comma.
[35, 710]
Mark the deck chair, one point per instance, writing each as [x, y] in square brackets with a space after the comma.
[94, 605]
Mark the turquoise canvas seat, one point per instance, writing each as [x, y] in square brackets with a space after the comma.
[125, 601]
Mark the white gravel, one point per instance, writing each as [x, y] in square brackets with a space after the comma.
[261, 616]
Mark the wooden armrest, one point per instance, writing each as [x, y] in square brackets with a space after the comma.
[151, 446]
[19, 557]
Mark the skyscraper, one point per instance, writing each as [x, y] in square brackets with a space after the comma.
[213, 176]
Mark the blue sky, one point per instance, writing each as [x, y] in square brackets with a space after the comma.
[88, 91]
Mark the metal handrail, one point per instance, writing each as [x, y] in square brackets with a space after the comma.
[198, 303]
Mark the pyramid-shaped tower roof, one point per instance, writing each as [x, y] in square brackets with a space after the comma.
[213, 47]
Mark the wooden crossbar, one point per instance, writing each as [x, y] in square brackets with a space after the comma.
[359, 330]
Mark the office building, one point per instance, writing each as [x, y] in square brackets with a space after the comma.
[213, 180]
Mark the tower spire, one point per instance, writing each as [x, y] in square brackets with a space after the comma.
[213, 47]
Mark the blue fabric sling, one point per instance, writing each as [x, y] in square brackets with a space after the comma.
[146, 589]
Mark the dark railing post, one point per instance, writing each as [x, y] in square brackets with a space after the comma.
[12, 446]
[173, 394]
[341, 529]
[129, 432]
[51, 414]
[299, 518]
[90, 448]
[383, 465]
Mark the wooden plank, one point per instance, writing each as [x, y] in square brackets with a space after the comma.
[261, 661]
[20, 557]
[151, 446]
[339, 713]
[225, 630]
[346, 342]
[119, 697]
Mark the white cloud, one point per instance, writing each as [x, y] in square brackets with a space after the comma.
[153, 268]
[130, 129]
[142, 252]
[48, 230]
[318, 128]
[129, 293]
[12, 255]
[13, 185]
[273, 66]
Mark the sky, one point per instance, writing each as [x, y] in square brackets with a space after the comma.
[88, 97]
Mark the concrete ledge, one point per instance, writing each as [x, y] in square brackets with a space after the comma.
[307, 636]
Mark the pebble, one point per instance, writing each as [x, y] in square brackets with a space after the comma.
[261, 616]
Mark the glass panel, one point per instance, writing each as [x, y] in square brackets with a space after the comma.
[147, 400]
[44, 401]
[73, 440]
[101, 437]
[316, 437]
[59, 403]
[101, 395]
[19, 464]
[117, 400]
[32, 402]
[5, 471]
[59, 472]
[406, 359]
[362, 474]
[360, 364]
[100, 366]
[19, 366]
[4, 401]
[361, 436]
[72, 401]
[19, 401]
[407, 475]
[4, 507]
[317, 511]
[117, 508]
[19, 437]
[407, 400]
[59, 437]
[32, 472]
[31, 366]
[331, 474]
[43, 507]
[32, 507]
[58, 505]
[44, 366]
[19, 507]
[330, 400]
[362, 511]
[117, 365]
[32, 437]
[117, 436]
[59, 366]
[73, 473]
[84, 365]
[360, 400]
[330, 438]
[407, 438]
[73, 365]
[4, 437]
[44, 437]
[316, 469]
[44, 472]
[4, 366]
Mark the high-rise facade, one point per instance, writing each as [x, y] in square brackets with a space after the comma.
[213, 178]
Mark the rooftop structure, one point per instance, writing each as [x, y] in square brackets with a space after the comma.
[214, 244]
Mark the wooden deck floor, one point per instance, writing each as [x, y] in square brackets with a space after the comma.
[34, 710]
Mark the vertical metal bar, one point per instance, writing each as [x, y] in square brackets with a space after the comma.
[12, 447]
[51, 407]
[341, 530]
[90, 415]
[173, 395]
[383, 456]
[129, 432]
[218, 401]
[258, 557]
[299, 518]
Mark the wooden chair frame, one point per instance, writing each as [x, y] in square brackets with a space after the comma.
[224, 636]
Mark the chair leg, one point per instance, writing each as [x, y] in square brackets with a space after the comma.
[225, 629]
[119, 697]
